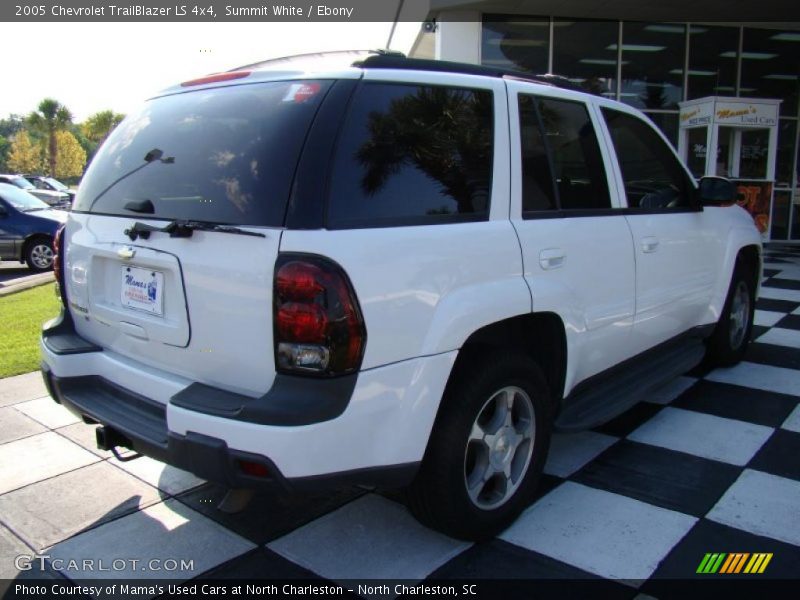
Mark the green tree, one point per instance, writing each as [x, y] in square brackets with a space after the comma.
[50, 117]
[70, 157]
[24, 156]
[5, 148]
[11, 125]
[99, 125]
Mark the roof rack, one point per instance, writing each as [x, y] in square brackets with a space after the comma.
[398, 61]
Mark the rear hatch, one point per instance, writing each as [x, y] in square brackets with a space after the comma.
[171, 245]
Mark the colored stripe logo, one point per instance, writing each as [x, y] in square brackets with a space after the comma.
[734, 563]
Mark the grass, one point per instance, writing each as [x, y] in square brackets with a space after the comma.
[21, 318]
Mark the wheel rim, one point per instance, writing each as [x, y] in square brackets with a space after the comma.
[739, 315]
[499, 448]
[42, 256]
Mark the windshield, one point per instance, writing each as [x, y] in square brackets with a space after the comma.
[20, 199]
[23, 183]
[55, 184]
[224, 155]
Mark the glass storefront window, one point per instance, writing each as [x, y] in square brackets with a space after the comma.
[712, 61]
[770, 67]
[753, 153]
[585, 52]
[668, 124]
[787, 134]
[513, 42]
[653, 57]
[781, 205]
[696, 160]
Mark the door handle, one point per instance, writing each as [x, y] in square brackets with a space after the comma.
[552, 258]
[649, 244]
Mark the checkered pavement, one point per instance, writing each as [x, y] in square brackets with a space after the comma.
[710, 463]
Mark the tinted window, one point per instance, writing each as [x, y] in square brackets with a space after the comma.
[412, 154]
[537, 179]
[653, 176]
[224, 155]
[579, 171]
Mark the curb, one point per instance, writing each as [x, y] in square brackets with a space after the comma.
[25, 283]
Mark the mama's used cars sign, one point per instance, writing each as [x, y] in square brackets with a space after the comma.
[741, 112]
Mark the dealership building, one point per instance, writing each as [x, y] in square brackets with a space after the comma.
[705, 83]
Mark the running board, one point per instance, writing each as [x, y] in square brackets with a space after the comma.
[607, 395]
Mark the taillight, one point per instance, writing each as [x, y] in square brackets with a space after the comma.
[318, 324]
[58, 263]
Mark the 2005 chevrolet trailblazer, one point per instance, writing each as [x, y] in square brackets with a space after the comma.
[401, 273]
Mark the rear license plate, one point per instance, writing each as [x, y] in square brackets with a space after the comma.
[143, 289]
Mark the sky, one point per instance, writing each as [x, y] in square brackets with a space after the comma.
[97, 66]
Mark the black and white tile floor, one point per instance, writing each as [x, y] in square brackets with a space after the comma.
[711, 463]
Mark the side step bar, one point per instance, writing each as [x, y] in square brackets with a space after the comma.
[607, 395]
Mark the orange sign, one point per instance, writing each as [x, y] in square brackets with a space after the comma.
[755, 197]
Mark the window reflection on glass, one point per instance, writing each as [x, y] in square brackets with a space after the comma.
[712, 61]
[787, 135]
[585, 52]
[515, 43]
[781, 206]
[725, 145]
[668, 124]
[795, 233]
[770, 66]
[696, 156]
[753, 157]
[652, 64]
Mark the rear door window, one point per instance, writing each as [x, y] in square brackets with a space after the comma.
[222, 155]
[413, 155]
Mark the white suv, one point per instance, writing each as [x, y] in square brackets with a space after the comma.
[403, 273]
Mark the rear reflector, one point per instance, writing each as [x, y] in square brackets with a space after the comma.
[216, 78]
[253, 469]
[58, 263]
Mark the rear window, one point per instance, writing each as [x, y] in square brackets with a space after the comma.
[224, 155]
[413, 155]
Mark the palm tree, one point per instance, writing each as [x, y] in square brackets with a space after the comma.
[50, 117]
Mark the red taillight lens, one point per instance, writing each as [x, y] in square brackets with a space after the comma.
[58, 262]
[318, 324]
[253, 469]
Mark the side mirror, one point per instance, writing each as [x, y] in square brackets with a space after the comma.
[717, 191]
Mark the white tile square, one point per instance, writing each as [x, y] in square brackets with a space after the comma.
[767, 318]
[38, 457]
[667, 393]
[163, 476]
[166, 531]
[47, 412]
[781, 337]
[792, 422]
[760, 377]
[779, 294]
[762, 504]
[369, 538]
[21, 388]
[717, 438]
[603, 533]
[570, 451]
[14, 425]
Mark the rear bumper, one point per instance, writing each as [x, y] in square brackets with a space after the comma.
[371, 431]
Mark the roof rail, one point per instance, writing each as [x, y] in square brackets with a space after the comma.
[398, 61]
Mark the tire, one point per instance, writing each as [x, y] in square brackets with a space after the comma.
[728, 343]
[39, 254]
[470, 438]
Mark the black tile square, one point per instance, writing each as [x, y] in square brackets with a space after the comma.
[772, 354]
[708, 536]
[783, 284]
[789, 322]
[784, 306]
[630, 420]
[758, 331]
[737, 402]
[260, 563]
[780, 456]
[269, 515]
[673, 480]
[770, 272]
[509, 571]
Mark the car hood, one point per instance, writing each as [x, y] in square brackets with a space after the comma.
[59, 216]
[49, 194]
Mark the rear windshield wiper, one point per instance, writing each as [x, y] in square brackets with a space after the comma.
[181, 229]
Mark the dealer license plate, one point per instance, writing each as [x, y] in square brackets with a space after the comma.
[143, 289]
